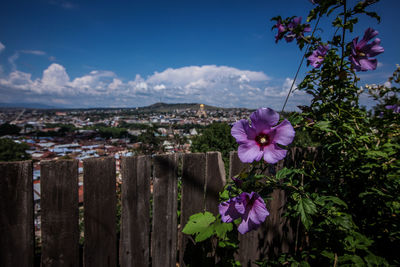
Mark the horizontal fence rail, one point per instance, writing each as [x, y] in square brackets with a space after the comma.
[149, 233]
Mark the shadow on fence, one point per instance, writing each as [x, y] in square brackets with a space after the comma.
[150, 232]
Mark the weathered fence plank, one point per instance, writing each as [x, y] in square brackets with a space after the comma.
[248, 246]
[164, 234]
[215, 180]
[192, 199]
[135, 220]
[16, 214]
[99, 185]
[277, 234]
[59, 213]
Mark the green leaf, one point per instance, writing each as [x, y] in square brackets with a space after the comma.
[199, 224]
[306, 207]
[323, 126]
[283, 173]
[322, 200]
[221, 228]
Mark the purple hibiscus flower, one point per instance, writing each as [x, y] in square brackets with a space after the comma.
[293, 25]
[261, 138]
[281, 29]
[318, 55]
[362, 52]
[395, 108]
[250, 207]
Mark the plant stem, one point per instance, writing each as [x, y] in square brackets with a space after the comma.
[343, 34]
[298, 69]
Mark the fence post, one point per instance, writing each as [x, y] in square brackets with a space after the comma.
[164, 234]
[16, 216]
[59, 206]
[99, 185]
[192, 199]
[135, 219]
[215, 180]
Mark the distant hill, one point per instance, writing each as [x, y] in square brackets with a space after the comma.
[165, 107]
[26, 105]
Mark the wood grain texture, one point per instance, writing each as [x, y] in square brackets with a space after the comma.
[192, 199]
[59, 207]
[16, 214]
[135, 220]
[99, 181]
[215, 181]
[164, 234]
[277, 234]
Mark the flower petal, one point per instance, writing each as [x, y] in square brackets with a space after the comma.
[273, 153]
[258, 212]
[247, 225]
[249, 151]
[242, 132]
[284, 133]
[228, 211]
[368, 64]
[263, 118]
[373, 49]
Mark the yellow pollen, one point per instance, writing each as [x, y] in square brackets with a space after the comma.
[263, 140]
[320, 57]
[361, 54]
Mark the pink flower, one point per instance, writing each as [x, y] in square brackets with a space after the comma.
[362, 52]
[318, 55]
[250, 207]
[261, 138]
[281, 29]
[296, 22]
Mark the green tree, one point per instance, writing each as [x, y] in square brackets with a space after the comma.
[215, 137]
[9, 129]
[11, 151]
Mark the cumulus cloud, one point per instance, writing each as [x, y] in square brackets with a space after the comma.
[2, 47]
[210, 84]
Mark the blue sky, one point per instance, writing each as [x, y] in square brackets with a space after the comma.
[134, 53]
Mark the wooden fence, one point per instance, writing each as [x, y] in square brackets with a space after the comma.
[150, 232]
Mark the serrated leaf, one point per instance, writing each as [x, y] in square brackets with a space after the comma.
[305, 207]
[221, 228]
[283, 173]
[333, 199]
[323, 126]
[199, 224]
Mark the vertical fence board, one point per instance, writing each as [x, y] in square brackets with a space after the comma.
[59, 207]
[192, 199]
[277, 234]
[248, 246]
[16, 216]
[164, 234]
[215, 182]
[135, 220]
[99, 212]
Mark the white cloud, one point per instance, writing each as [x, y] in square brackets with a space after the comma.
[12, 60]
[34, 52]
[2, 47]
[210, 84]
